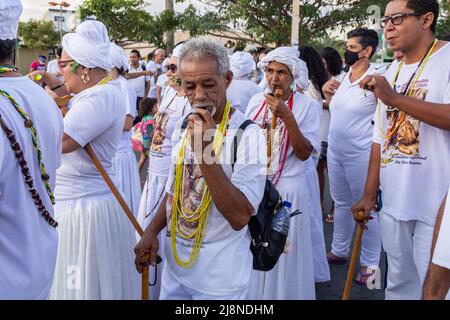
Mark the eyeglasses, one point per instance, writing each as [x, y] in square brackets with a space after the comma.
[63, 63]
[172, 67]
[397, 19]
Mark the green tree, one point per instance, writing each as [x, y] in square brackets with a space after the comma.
[269, 21]
[443, 26]
[38, 34]
[128, 20]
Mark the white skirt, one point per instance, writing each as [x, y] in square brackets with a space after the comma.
[95, 253]
[127, 173]
[321, 266]
[293, 276]
[152, 195]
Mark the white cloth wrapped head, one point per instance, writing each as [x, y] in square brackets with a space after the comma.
[10, 11]
[242, 65]
[118, 57]
[289, 56]
[177, 50]
[89, 45]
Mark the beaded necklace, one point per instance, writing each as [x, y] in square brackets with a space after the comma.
[407, 92]
[200, 215]
[284, 141]
[8, 68]
[20, 156]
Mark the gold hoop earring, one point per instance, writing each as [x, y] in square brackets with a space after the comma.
[85, 77]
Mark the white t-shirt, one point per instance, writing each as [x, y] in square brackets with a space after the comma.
[307, 114]
[153, 66]
[415, 166]
[441, 255]
[240, 92]
[162, 83]
[138, 83]
[52, 67]
[129, 96]
[96, 116]
[352, 110]
[225, 261]
[171, 110]
[28, 244]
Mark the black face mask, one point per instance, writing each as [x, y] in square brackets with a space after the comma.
[351, 57]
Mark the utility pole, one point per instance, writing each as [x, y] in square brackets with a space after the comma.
[295, 23]
[60, 4]
[170, 35]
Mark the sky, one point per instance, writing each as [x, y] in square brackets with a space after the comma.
[35, 9]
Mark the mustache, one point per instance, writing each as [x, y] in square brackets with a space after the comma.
[203, 105]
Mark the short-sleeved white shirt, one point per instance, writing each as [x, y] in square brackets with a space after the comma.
[225, 262]
[351, 110]
[96, 116]
[138, 83]
[415, 161]
[307, 114]
[153, 66]
[28, 244]
[170, 111]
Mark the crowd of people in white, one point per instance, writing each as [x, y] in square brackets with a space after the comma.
[383, 139]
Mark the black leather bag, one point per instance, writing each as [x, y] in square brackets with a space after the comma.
[267, 243]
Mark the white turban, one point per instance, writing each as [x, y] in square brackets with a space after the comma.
[89, 46]
[289, 56]
[241, 64]
[10, 11]
[177, 50]
[118, 57]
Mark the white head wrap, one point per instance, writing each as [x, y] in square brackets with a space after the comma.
[10, 11]
[118, 57]
[241, 64]
[166, 62]
[89, 46]
[177, 50]
[289, 56]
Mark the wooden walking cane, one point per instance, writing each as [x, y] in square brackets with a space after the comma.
[273, 126]
[62, 104]
[355, 256]
[125, 208]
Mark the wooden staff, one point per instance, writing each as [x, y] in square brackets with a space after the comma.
[62, 104]
[355, 256]
[273, 126]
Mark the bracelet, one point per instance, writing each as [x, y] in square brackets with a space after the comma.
[57, 87]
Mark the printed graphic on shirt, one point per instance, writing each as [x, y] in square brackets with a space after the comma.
[193, 188]
[402, 144]
[159, 131]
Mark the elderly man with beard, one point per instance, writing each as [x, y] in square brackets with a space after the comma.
[208, 202]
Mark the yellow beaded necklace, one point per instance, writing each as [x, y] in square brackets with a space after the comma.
[201, 214]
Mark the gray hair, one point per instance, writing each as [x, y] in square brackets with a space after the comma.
[206, 47]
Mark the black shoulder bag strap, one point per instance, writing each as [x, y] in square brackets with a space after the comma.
[237, 139]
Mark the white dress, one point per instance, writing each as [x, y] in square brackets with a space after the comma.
[125, 163]
[321, 266]
[96, 240]
[28, 244]
[293, 276]
[171, 110]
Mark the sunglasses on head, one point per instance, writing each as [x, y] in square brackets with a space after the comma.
[171, 67]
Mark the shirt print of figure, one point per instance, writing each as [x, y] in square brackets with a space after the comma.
[404, 130]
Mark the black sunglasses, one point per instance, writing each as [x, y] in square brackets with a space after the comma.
[172, 67]
[397, 19]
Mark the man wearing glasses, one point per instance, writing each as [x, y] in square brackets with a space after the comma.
[410, 153]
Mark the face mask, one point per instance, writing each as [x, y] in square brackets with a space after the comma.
[351, 57]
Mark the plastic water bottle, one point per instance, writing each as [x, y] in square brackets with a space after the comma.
[282, 218]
